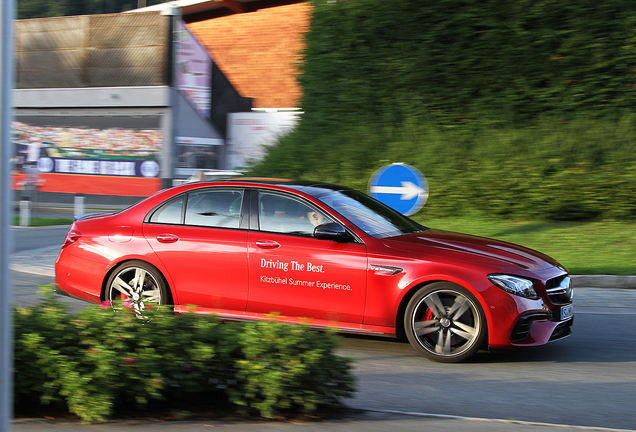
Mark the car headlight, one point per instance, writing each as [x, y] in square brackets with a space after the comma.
[514, 285]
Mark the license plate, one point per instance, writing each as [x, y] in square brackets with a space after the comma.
[567, 312]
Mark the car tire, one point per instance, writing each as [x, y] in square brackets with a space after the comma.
[445, 322]
[138, 285]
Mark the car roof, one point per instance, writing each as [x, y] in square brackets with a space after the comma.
[312, 188]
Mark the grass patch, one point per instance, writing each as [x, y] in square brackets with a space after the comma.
[37, 222]
[602, 247]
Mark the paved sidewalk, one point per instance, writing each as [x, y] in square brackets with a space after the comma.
[36, 261]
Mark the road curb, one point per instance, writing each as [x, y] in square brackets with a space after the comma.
[492, 420]
[603, 281]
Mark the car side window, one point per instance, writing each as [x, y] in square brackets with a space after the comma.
[214, 208]
[284, 214]
[169, 213]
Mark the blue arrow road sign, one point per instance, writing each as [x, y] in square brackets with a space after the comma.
[399, 186]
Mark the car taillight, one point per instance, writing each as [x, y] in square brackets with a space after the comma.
[72, 237]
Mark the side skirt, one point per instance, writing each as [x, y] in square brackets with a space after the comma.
[313, 323]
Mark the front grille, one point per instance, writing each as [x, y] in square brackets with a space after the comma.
[555, 282]
[559, 290]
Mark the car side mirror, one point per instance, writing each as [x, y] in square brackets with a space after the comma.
[332, 231]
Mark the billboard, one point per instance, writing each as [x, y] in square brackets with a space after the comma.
[84, 155]
[193, 70]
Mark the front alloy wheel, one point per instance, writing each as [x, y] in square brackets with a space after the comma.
[445, 323]
[138, 285]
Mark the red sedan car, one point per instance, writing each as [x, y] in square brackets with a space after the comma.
[320, 254]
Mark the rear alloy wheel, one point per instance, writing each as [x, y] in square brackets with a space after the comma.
[445, 322]
[138, 285]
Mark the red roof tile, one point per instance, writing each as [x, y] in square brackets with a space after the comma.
[259, 51]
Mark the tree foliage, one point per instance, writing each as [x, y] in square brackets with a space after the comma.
[370, 60]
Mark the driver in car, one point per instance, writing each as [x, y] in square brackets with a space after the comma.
[315, 218]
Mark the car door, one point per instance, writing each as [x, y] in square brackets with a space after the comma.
[295, 274]
[201, 238]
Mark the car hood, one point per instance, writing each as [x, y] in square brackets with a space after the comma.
[451, 245]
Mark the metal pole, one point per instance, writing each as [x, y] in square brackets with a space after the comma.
[6, 322]
[78, 205]
[170, 132]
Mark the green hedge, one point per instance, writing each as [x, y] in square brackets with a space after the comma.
[578, 170]
[98, 362]
[514, 108]
[374, 61]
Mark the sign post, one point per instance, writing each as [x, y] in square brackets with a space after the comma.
[400, 186]
[6, 322]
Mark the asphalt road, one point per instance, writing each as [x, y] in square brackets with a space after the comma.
[34, 238]
[586, 380]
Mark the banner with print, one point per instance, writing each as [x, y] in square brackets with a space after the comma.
[193, 70]
[88, 151]
[101, 155]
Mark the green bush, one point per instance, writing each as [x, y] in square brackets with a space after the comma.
[98, 362]
[288, 368]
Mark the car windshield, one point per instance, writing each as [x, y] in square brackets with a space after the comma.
[371, 216]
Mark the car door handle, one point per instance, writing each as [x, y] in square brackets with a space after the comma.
[167, 238]
[267, 244]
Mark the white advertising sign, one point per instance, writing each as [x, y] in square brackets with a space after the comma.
[250, 133]
[193, 70]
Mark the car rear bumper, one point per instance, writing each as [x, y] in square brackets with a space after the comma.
[79, 277]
